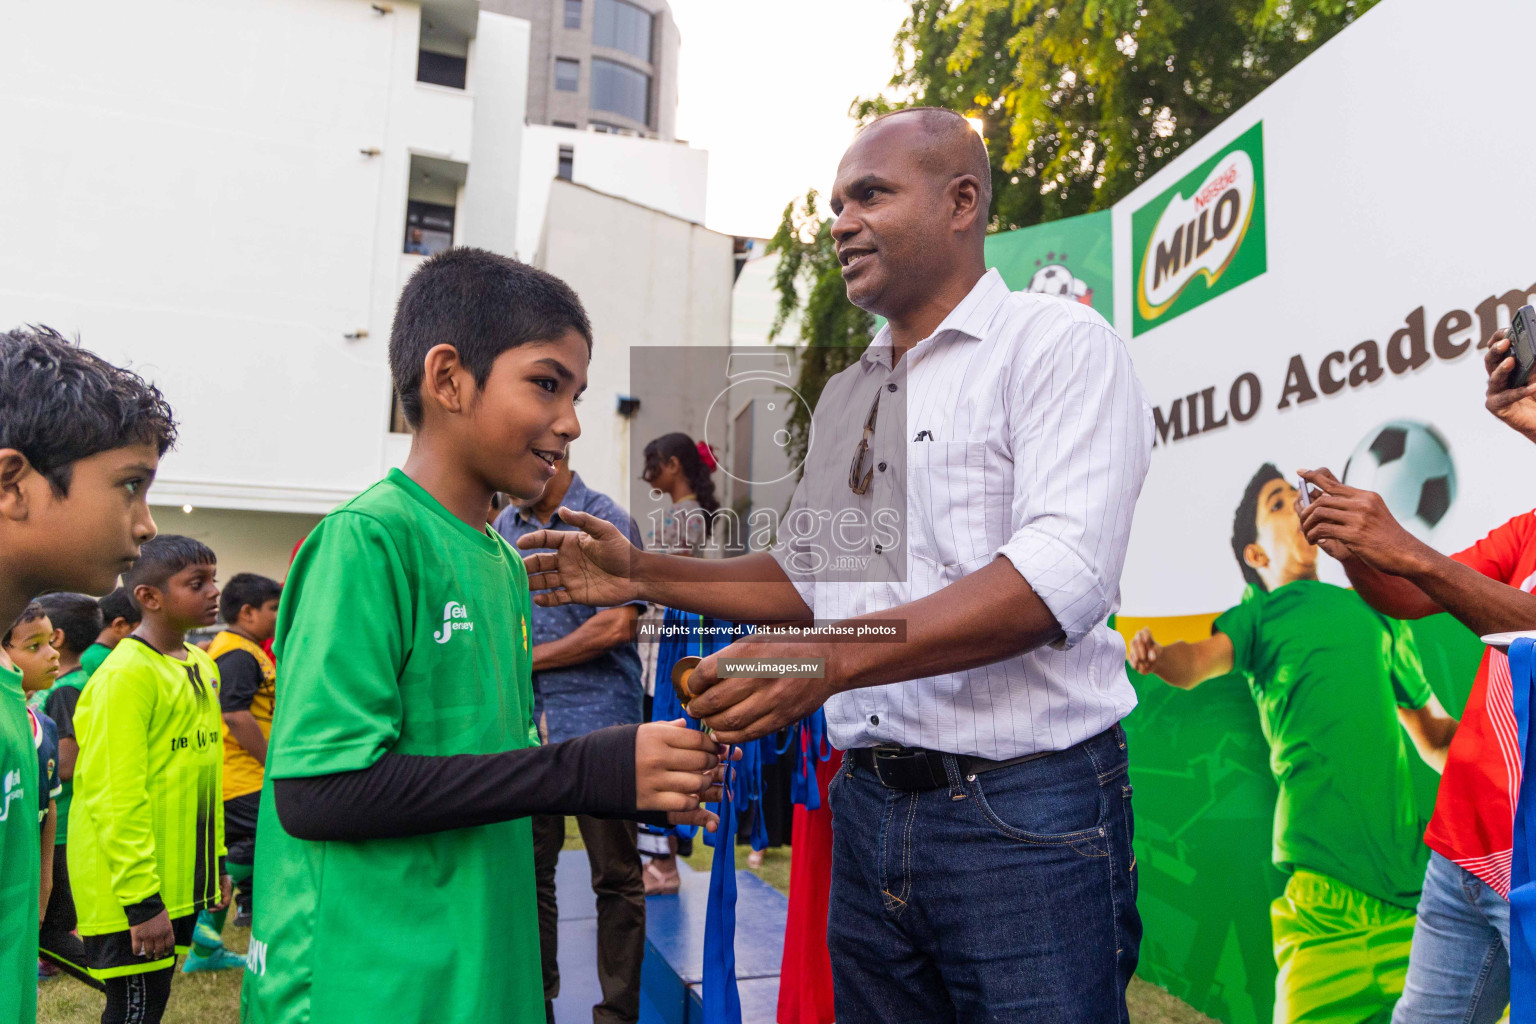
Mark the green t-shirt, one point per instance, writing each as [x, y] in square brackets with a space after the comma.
[92, 657]
[1328, 674]
[60, 703]
[405, 630]
[20, 864]
[147, 816]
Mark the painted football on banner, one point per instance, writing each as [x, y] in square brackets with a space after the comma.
[1056, 279]
[1409, 464]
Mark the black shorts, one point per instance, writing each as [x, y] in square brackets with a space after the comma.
[111, 955]
[240, 827]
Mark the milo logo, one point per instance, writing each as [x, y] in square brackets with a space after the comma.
[1203, 236]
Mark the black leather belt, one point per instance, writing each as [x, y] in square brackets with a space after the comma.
[913, 768]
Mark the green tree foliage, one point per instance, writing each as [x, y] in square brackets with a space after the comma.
[1082, 100]
[836, 331]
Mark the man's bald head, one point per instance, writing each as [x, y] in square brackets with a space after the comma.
[910, 210]
[951, 146]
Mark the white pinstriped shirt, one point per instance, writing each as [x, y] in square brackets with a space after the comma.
[1036, 435]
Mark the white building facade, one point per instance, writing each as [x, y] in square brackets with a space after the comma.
[229, 196]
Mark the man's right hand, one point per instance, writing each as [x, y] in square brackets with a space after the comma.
[154, 939]
[1516, 407]
[591, 564]
[1144, 652]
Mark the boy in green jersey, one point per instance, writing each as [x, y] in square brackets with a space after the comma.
[28, 643]
[148, 850]
[119, 617]
[80, 440]
[76, 621]
[1337, 685]
[394, 864]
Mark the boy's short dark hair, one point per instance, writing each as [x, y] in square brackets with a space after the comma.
[482, 304]
[164, 557]
[120, 605]
[246, 588]
[1245, 521]
[60, 404]
[31, 613]
[77, 615]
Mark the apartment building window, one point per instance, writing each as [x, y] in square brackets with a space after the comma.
[567, 162]
[621, 90]
[623, 26]
[428, 228]
[573, 13]
[567, 74]
[441, 69]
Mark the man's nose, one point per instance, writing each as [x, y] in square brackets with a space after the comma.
[845, 226]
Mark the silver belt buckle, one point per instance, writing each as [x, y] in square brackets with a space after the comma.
[889, 752]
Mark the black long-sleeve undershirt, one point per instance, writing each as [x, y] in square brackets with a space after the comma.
[414, 794]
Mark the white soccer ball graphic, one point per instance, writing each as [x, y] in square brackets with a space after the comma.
[1055, 279]
[1409, 464]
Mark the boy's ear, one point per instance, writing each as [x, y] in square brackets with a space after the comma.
[15, 469]
[147, 596]
[1255, 557]
[445, 380]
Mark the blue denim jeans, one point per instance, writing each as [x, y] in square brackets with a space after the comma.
[1458, 972]
[1008, 896]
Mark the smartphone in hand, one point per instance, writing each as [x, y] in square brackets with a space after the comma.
[1301, 488]
[1522, 345]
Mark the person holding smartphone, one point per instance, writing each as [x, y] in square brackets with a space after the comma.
[1459, 966]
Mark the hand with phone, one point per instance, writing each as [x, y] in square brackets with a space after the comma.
[1510, 357]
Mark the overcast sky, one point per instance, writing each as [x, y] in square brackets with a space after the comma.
[764, 85]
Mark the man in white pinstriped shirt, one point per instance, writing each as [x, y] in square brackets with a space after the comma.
[982, 862]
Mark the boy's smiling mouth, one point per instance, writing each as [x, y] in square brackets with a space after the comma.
[549, 457]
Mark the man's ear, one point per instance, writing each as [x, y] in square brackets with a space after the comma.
[15, 473]
[966, 208]
[445, 380]
[1255, 557]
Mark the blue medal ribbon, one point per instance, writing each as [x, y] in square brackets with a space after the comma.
[1522, 892]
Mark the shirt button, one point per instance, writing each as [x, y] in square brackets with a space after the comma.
[881, 467]
[890, 387]
[874, 719]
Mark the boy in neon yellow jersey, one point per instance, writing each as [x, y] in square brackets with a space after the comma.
[80, 441]
[247, 692]
[148, 845]
[1337, 686]
[404, 761]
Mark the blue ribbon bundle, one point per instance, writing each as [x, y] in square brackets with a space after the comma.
[805, 741]
[1522, 892]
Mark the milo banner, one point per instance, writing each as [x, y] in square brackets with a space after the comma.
[1310, 285]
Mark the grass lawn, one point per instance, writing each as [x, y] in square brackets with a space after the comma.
[215, 998]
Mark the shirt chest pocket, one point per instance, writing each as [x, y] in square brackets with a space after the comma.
[957, 502]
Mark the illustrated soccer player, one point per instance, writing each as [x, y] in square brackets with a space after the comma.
[1337, 685]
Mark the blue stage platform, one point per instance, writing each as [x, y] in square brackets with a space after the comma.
[674, 950]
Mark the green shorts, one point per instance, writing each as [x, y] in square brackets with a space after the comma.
[1343, 955]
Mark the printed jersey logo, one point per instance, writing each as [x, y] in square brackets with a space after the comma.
[455, 620]
[11, 792]
[256, 957]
